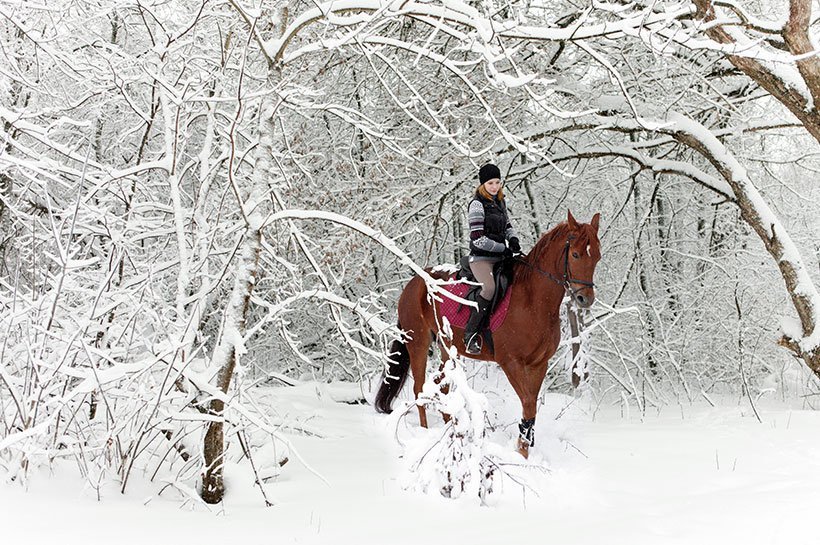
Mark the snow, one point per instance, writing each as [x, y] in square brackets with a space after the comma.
[449, 268]
[791, 327]
[599, 474]
[612, 103]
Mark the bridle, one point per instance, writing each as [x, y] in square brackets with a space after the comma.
[566, 281]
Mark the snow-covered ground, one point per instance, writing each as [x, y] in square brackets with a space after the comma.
[691, 474]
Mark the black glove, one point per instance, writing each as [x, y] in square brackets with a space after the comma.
[515, 246]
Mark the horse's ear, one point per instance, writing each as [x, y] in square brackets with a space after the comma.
[595, 219]
[573, 224]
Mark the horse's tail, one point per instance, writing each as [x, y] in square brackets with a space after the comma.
[394, 376]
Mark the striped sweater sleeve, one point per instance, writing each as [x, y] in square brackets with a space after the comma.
[475, 217]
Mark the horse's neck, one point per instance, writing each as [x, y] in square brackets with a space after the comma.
[545, 290]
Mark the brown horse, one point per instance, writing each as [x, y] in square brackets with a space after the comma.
[564, 259]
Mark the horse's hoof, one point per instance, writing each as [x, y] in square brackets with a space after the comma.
[523, 448]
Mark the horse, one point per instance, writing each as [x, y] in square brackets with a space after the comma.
[563, 260]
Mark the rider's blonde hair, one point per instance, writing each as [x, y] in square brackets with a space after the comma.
[486, 194]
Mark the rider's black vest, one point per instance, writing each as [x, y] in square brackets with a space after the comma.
[495, 223]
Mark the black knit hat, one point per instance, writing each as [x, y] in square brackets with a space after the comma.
[488, 172]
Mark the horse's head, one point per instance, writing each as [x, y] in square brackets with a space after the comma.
[583, 251]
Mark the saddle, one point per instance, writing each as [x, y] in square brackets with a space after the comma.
[503, 275]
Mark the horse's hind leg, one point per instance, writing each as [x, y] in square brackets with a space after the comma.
[444, 384]
[418, 366]
[416, 316]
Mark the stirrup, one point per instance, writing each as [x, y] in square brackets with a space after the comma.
[473, 345]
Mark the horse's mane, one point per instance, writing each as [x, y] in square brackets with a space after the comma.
[541, 249]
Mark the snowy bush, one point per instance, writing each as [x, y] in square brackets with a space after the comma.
[457, 460]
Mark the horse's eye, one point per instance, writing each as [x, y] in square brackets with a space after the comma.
[575, 255]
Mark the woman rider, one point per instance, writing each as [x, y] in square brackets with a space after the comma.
[490, 227]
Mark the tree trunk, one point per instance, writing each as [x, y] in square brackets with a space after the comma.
[233, 329]
[213, 485]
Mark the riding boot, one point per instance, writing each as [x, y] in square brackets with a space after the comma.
[472, 331]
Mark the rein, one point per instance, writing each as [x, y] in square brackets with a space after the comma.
[566, 281]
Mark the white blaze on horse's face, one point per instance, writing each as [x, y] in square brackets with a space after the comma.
[583, 254]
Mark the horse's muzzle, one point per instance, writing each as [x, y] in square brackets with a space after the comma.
[584, 300]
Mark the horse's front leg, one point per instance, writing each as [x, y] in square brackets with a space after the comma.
[526, 429]
[530, 386]
[526, 436]
[526, 381]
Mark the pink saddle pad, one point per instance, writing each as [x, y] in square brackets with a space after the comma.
[458, 313]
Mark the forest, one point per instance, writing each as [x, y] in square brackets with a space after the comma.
[204, 201]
